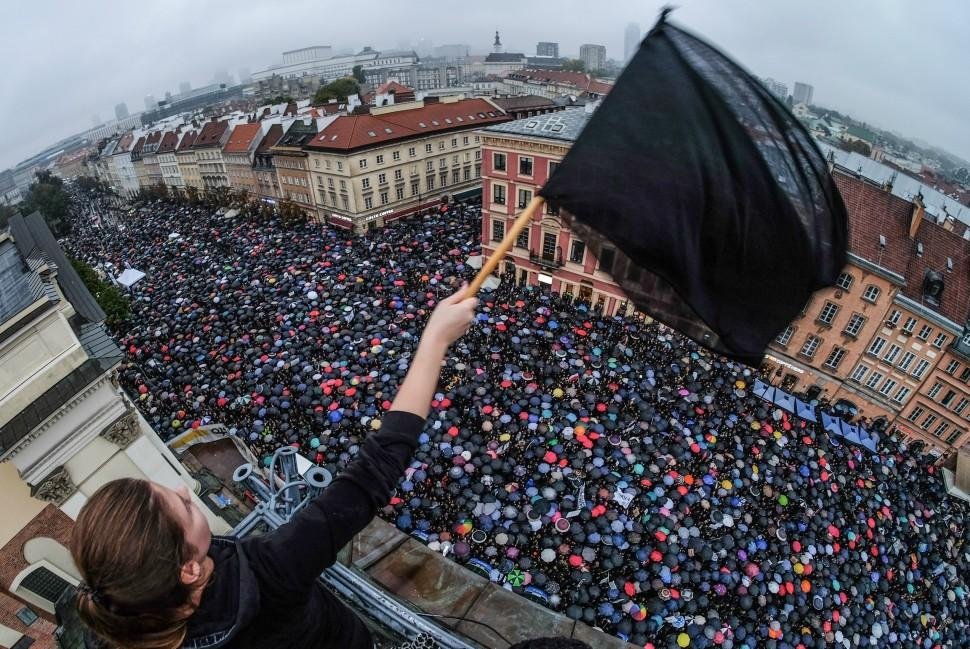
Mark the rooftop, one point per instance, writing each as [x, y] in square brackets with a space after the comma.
[565, 125]
[19, 287]
[350, 132]
[242, 138]
[523, 102]
[505, 57]
[188, 139]
[272, 136]
[169, 141]
[211, 134]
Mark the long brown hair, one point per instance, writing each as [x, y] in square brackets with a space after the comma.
[130, 549]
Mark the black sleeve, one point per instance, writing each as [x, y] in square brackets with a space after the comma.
[287, 561]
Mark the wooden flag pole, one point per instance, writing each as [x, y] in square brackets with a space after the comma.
[504, 247]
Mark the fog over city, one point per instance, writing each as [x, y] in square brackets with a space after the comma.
[893, 63]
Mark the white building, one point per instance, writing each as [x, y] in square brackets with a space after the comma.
[803, 93]
[777, 88]
[593, 56]
[319, 62]
[66, 427]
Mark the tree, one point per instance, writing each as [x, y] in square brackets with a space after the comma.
[358, 74]
[339, 90]
[48, 197]
[6, 213]
[860, 147]
[573, 65]
[109, 297]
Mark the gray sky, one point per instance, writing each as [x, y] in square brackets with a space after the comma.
[895, 63]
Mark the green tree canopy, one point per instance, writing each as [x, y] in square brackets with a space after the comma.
[339, 90]
[358, 74]
[109, 297]
[574, 65]
[48, 197]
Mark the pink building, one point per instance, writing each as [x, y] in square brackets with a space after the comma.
[517, 159]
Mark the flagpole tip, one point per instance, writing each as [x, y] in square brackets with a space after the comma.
[664, 12]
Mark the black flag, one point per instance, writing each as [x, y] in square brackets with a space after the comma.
[720, 206]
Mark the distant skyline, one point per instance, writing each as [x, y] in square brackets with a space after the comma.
[859, 57]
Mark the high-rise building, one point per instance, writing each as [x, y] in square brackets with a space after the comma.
[777, 88]
[631, 40]
[184, 87]
[150, 103]
[121, 110]
[803, 93]
[593, 56]
[545, 48]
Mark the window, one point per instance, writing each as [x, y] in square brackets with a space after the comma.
[455, 177]
[363, 163]
[525, 166]
[961, 406]
[844, 281]
[953, 436]
[835, 357]
[935, 390]
[965, 374]
[910, 325]
[941, 429]
[916, 414]
[891, 355]
[326, 163]
[785, 336]
[365, 183]
[606, 259]
[380, 159]
[940, 340]
[343, 185]
[952, 367]
[466, 173]
[340, 165]
[549, 246]
[906, 360]
[464, 140]
[859, 373]
[384, 200]
[921, 368]
[810, 346]
[887, 387]
[524, 197]
[894, 318]
[443, 178]
[381, 179]
[427, 148]
[396, 155]
[415, 188]
[577, 251]
[948, 398]
[874, 379]
[522, 239]
[45, 584]
[430, 182]
[368, 203]
[478, 155]
[928, 421]
[924, 332]
[27, 616]
[828, 312]
[876, 346]
[330, 182]
[430, 166]
[411, 152]
[454, 141]
[441, 145]
[855, 325]
[454, 160]
[316, 162]
[398, 174]
[343, 201]
[901, 394]
[498, 194]
[443, 163]
[498, 230]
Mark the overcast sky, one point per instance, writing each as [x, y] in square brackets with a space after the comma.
[899, 64]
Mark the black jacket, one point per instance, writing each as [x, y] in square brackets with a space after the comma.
[265, 591]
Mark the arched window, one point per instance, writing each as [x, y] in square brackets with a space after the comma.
[42, 584]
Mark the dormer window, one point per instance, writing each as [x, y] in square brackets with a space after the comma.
[933, 288]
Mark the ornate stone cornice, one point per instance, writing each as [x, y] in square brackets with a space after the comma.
[124, 430]
[56, 488]
[525, 143]
[58, 415]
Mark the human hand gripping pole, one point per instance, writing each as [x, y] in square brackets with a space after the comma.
[505, 246]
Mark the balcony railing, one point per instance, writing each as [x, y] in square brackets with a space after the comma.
[546, 261]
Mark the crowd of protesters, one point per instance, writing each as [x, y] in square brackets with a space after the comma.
[604, 466]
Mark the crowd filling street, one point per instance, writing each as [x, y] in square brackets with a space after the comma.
[604, 466]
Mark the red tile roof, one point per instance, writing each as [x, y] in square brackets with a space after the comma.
[169, 141]
[582, 81]
[210, 134]
[242, 138]
[188, 139]
[874, 211]
[138, 145]
[395, 87]
[351, 132]
[272, 136]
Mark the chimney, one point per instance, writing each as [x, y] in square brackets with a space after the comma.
[918, 211]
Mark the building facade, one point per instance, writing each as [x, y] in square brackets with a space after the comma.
[370, 169]
[66, 427]
[802, 93]
[208, 153]
[593, 56]
[168, 161]
[519, 157]
[149, 153]
[885, 342]
[187, 161]
[267, 182]
[546, 48]
[291, 160]
[239, 153]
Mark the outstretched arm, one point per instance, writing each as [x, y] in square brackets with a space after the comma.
[289, 560]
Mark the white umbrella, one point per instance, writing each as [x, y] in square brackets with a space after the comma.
[475, 262]
[129, 277]
[491, 282]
